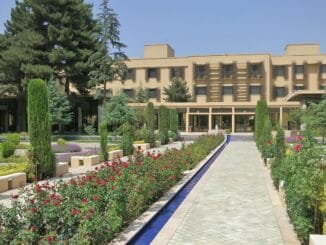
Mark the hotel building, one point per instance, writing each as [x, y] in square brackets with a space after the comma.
[225, 88]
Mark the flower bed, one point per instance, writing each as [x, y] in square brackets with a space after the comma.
[95, 207]
[68, 147]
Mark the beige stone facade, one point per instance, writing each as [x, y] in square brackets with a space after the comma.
[225, 88]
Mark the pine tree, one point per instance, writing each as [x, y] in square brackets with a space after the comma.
[108, 62]
[177, 91]
[59, 106]
[44, 38]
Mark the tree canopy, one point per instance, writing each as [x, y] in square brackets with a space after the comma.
[177, 91]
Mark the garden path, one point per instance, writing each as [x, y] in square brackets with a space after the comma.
[233, 203]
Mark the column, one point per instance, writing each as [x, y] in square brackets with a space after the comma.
[6, 120]
[187, 120]
[233, 120]
[210, 119]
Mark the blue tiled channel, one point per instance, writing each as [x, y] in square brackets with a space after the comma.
[152, 228]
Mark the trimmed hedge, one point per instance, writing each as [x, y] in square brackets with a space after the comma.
[127, 140]
[164, 124]
[104, 140]
[260, 117]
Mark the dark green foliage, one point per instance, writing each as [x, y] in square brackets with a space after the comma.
[107, 64]
[260, 117]
[39, 129]
[177, 91]
[117, 112]
[8, 149]
[279, 145]
[164, 124]
[150, 115]
[59, 106]
[267, 148]
[304, 181]
[149, 136]
[127, 140]
[104, 141]
[14, 138]
[174, 121]
[142, 95]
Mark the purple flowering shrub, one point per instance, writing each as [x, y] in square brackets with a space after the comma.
[68, 147]
[65, 157]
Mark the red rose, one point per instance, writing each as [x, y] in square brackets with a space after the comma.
[14, 196]
[112, 187]
[297, 147]
[112, 178]
[33, 228]
[73, 182]
[34, 178]
[95, 198]
[91, 210]
[85, 200]
[73, 212]
[50, 239]
[33, 210]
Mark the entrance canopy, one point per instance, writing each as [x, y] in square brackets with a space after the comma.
[301, 95]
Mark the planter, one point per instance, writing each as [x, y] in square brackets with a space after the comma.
[141, 147]
[61, 169]
[87, 161]
[12, 181]
[170, 140]
[115, 154]
[317, 239]
[20, 152]
[157, 143]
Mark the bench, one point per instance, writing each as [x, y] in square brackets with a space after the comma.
[115, 154]
[61, 169]
[12, 181]
[87, 161]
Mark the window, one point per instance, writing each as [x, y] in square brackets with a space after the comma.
[323, 68]
[177, 72]
[298, 87]
[298, 69]
[130, 74]
[152, 73]
[201, 71]
[228, 71]
[152, 93]
[129, 93]
[201, 90]
[279, 91]
[255, 89]
[227, 90]
[279, 71]
[255, 70]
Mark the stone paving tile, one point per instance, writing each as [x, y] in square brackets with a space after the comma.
[233, 205]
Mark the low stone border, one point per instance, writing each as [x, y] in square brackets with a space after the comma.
[137, 225]
[141, 147]
[12, 181]
[87, 161]
[317, 239]
[115, 154]
[61, 169]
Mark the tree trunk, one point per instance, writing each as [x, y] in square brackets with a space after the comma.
[61, 128]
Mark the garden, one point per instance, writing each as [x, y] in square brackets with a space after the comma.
[93, 208]
[298, 167]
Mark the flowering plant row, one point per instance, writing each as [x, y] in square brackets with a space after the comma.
[93, 208]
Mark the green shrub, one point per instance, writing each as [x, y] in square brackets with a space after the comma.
[164, 124]
[14, 138]
[138, 134]
[39, 129]
[149, 136]
[260, 117]
[90, 129]
[150, 116]
[267, 148]
[127, 139]
[8, 149]
[14, 168]
[61, 142]
[104, 140]
[279, 145]
[174, 121]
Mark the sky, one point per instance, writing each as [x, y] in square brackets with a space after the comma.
[214, 26]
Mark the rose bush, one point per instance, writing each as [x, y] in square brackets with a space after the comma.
[93, 208]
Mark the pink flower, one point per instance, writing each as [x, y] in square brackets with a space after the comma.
[73, 212]
[297, 147]
[298, 138]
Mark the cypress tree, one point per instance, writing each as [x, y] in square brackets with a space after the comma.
[150, 116]
[260, 117]
[164, 124]
[126, 143]
[174, 123]
[39, 129]
[104, 140]
[279, 150]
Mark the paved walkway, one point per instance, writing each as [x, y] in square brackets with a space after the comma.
[231, 204]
